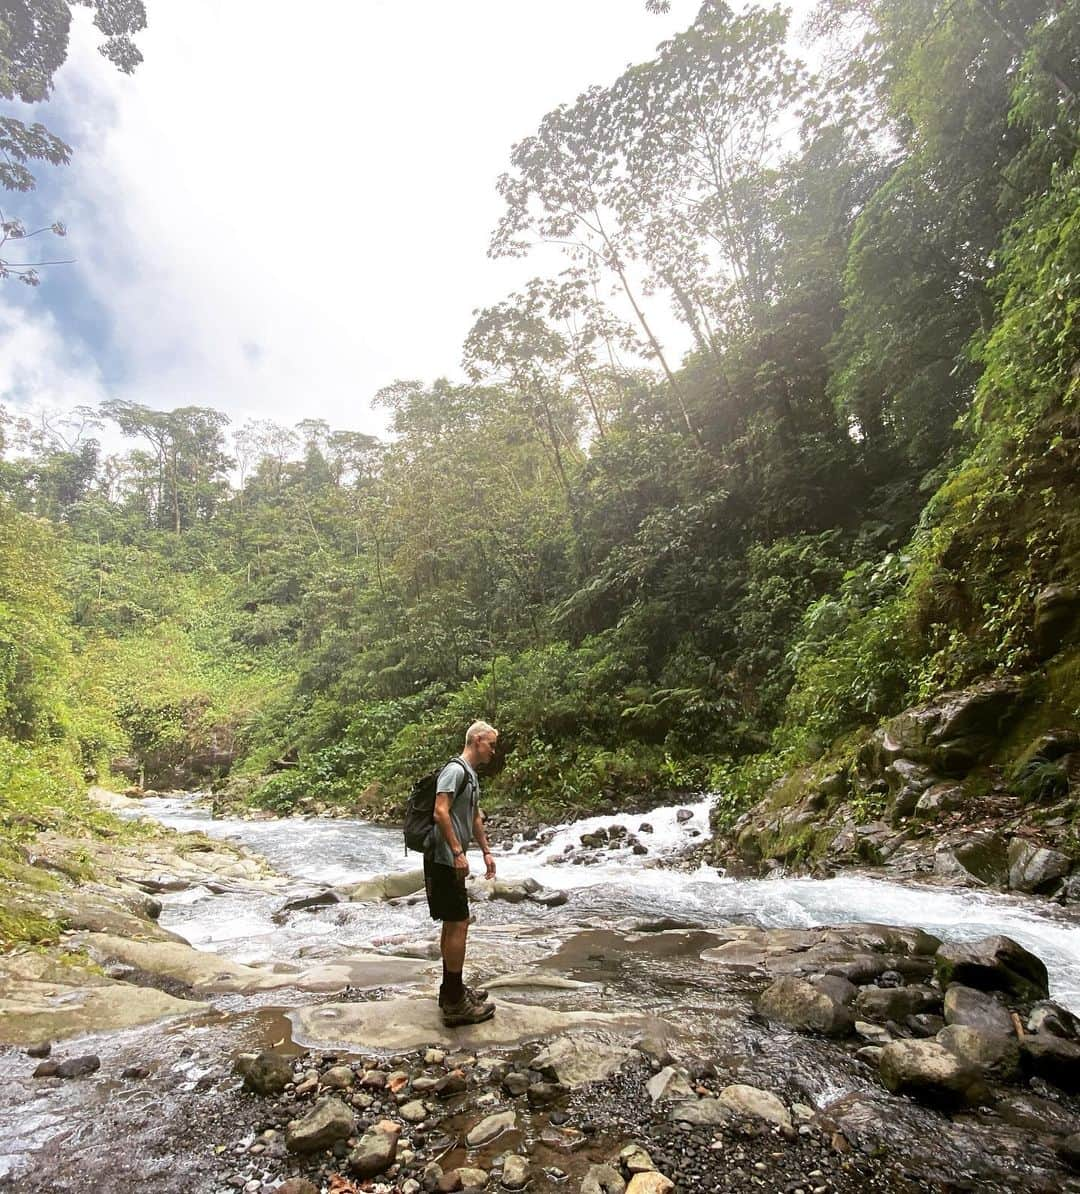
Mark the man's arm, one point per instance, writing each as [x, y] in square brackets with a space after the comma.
[443, 800]
[480, 833]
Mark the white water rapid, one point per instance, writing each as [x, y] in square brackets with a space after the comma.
[619, 885]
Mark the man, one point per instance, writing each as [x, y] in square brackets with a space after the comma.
[446, 867]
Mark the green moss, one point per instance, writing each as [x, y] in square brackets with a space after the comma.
[1054, 704]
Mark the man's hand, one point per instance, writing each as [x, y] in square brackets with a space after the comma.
[489, 862]
[461, 861]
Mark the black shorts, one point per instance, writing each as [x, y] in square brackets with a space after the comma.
[446, 895]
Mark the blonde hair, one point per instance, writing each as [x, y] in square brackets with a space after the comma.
[476, 729]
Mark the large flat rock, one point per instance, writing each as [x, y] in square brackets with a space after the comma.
[203, 971]
[397, 1024]
[42, 1000]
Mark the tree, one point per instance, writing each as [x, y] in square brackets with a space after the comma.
[33, 46]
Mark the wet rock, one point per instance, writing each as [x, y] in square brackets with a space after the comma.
[1069, 1150]
[266, 1073]
[565, 1138]
[575, 1060]
[893, 1003]
[873, 1034]
[543, 1094]
[749, 1100]
[645, 827]
[414, 1112]
[703, 1111]
[924, 1024]
[977, 1009]
[471, 1178]
[1036, 1114]
[300, 903]
[801, 1004]
[515, 1084]
[338, 1077]
[1047, 1016]
[490, 1128]
[375, 1151]
[981, 856]
[74, 1067]
[1053, 1058]
[387, 887]
[993, 1052]
[1035, 868]
[671, 1084]
[39, 1051]
[635, 1159]
[326, 1123]
[930, 1072]
[683, 815]
[515, 1173]
[649, 1183]
[135, 1072]
[993, 964]
[603, 1179]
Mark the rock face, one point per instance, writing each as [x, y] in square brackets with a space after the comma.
[994, 964]
[930, 1072]
[324, 1125]
[806, 1006]
[1035, 868]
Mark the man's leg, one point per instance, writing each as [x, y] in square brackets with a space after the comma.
[452, 946]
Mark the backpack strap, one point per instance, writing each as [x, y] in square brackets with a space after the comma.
[464, 775]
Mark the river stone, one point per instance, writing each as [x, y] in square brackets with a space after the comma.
[1035, 868]
[993, 964]
[1033, 1113]
[491, 1127]
[649, 1183]
[931, 1073]
[565, 1137]
[749, 1100]
[635, 1159]
[324, 1125]
[374, 1153]
[670, 1083]
[471, 1178]
[296, 1185]
[265, 1073]
[602, 1179]
[800, 1004]
[387, 887]
[576, 1060]
[873, 1034]
[73, 1067]
[414, 1112]
[893, 1003]
[1047, 1016]
[515, 1173]
[338, 1077]
[976, 1009]
[703, 1111]
[996, 1053]
[543, 1094]
[1052, 1058]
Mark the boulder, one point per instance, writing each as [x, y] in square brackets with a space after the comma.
[993, 964]
[471, 1178]
[329, 1121]
[338, 1077]
[939, 799]
[312, 899]
[387, 887]
[931, 1073]
[375, 1152]
[266, 1073]
[760, 1104]
[1052, 1058]
[800, 1004]
[602, 1179]
[73, 1067]
[893, 1003]
[977, 1009]
[981, 856]
[635, 1159]
[994, 1053]
[907, 782]
[1047, 1016]
[701, 1111]
[1035, 868]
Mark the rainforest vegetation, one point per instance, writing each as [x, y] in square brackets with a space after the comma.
[651, 573]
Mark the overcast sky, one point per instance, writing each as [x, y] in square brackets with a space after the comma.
[286, 208]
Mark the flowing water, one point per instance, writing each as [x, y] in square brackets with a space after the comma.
[616, 888]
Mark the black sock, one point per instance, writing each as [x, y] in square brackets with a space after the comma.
[452, 986]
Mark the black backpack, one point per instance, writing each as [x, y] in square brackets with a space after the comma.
[420, 808]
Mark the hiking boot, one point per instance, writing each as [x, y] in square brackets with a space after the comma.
[467, 1010]
[476, 994]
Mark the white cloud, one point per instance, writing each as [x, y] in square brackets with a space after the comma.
[285, 208]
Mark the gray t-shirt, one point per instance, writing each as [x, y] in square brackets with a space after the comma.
[462, 809]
